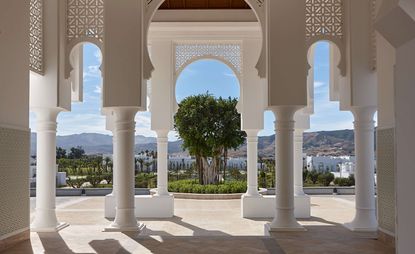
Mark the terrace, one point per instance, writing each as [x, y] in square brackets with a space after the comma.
[203, 226]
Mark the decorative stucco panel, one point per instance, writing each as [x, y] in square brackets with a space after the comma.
[14, 180]
[85, 19]
[36, 36]
[189, 52]
[386, 178]
[324, 18]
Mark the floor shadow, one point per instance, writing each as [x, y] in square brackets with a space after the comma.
[210, 244]
[24, 247]
[54, 243]
[197, 231]
[108, 246]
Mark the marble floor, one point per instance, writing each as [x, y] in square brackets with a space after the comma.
[202, 226]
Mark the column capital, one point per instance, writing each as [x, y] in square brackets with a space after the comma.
[363, 114]
[162, 134]
[286, 112]
[46, 114]
[252, 132]
[124, 113]
[363, 118]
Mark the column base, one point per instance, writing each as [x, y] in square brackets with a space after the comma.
[60, 226]
[146, 206]
[109, 201]
[364, 221]
[264, 206]
[115, 228]
[268, 229]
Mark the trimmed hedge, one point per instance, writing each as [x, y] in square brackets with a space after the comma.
[192, 186]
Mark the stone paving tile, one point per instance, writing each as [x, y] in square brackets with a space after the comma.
[203, 226]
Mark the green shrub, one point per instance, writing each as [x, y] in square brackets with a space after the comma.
[345, 181]
[192, 186]
[325, 178]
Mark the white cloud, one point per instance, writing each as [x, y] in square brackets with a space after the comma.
[98, 55]
[98, 89]
[92, 72]
[319, 84]
[70, 123]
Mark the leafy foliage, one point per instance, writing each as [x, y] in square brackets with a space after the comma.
[192, 186]
[208, 128]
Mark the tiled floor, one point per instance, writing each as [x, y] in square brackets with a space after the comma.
[203, 226]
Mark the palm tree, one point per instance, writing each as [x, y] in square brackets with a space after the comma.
[147, 164]
[107, 162]
[141, 162]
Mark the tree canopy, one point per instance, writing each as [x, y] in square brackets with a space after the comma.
[208, 128]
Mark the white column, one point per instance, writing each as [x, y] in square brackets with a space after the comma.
[298, 162]
[365, 217]
[284, 217]
[124, 129]
[162, 161]
[45, 215]
[114, 169]
[252, 163]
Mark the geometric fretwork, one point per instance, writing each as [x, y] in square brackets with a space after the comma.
[36, 36]
[260, 2]
[230, 52]
[324, 18]
[85, 18]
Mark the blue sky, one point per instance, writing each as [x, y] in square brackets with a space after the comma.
[199, 77]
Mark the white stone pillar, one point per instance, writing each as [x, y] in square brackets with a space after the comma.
[252, 163]
[284, 217]
[162, 161]
[45, 215]
[365, 217]
[298, 162]
[124, 129]
[114, 169]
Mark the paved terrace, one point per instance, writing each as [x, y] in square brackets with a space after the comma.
[202, 226]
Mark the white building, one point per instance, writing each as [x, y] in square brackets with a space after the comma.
[328, 163]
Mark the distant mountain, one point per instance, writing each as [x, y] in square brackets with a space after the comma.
[334, 143]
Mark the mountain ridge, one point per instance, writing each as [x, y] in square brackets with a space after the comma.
[330, 143]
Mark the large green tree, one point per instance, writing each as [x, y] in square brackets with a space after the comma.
[208, 128]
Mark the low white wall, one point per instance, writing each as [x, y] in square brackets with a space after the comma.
[146, 206]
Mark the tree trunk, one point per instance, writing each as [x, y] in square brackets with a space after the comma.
[211, 175]
[199, 168]
[225, 163]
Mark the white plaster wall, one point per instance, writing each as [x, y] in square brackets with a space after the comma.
[252, 87]
[14, 117]
[359, 54]
[52, 90]
[162, 100]
[287, 53]
[122, 54]
[14, 63]
[385, 72]
[405, 140]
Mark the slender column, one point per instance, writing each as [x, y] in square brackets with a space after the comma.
[364, 127]
[114, 169]
[284, 218]
[252, 163]
[45, 216]
[124, 129]
[298, 162]
[162, 159]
